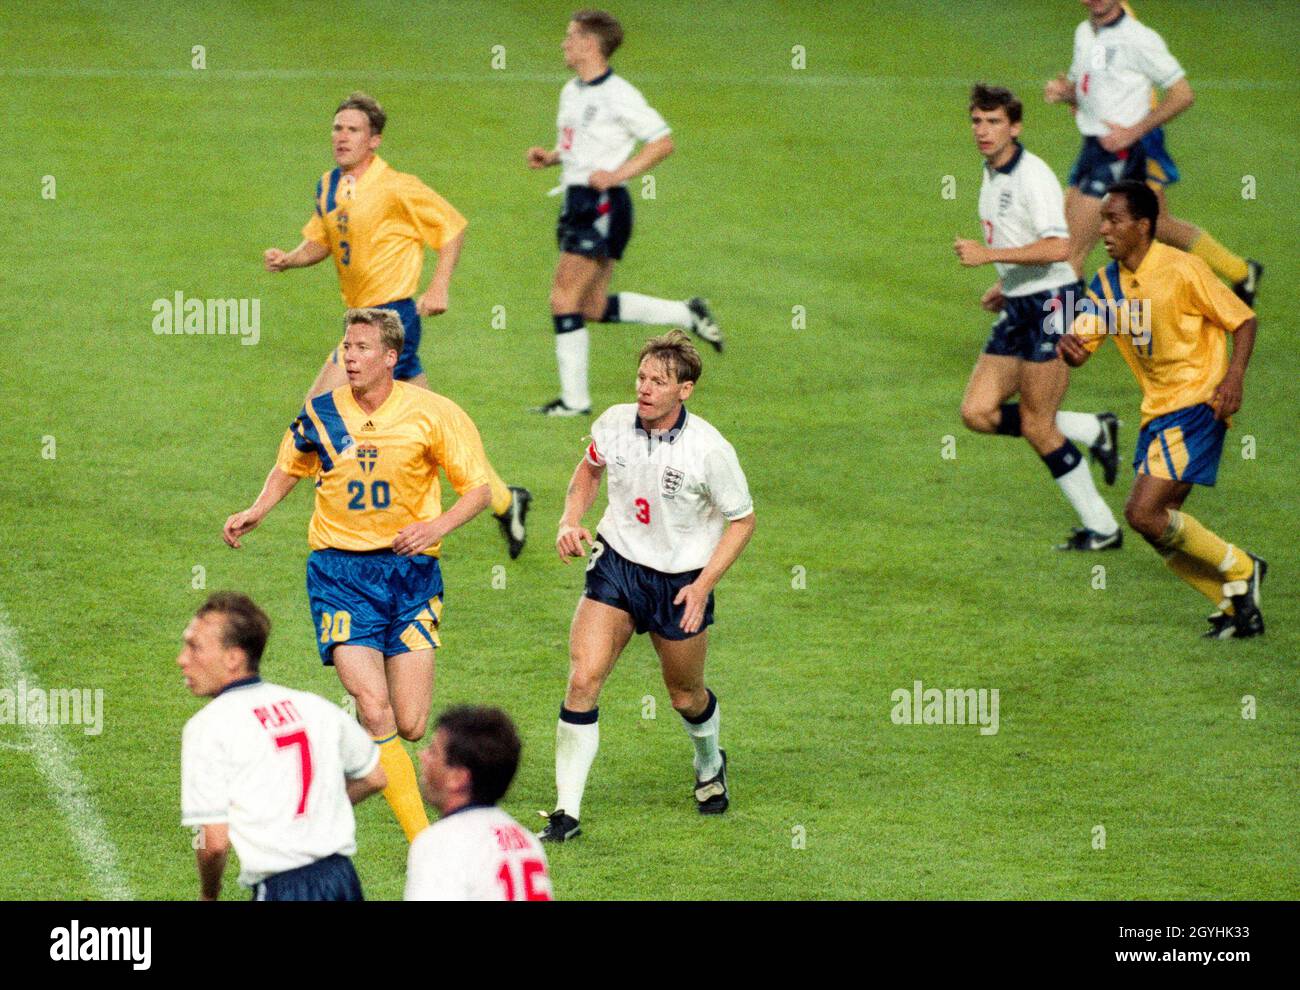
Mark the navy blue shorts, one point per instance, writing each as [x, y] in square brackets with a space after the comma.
[1161, 170]
[1184, 445]
[378, 599]
[595, 224]
[408, 362]
[1096, 169]
[1031, 325]
[644, 593]
[330, 879]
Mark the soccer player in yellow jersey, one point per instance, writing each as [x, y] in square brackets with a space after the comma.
[375, 222]
[374, 447]
[1170, 318]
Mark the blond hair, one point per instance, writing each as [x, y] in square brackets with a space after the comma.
[386, 321]
[677, 353]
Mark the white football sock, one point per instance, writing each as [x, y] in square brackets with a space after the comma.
[575, 749]
[1080, 489]
[708, 760]
[636, 308]
[571, 355]
[1082, 428]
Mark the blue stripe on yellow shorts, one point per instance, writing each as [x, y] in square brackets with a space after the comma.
[1184, 445]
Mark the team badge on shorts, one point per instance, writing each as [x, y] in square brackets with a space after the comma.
[672, 482]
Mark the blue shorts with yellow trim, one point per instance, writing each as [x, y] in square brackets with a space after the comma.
[378, 599]
[1161, 170]
[1096, 169]
[408, 363]
[1184, 445]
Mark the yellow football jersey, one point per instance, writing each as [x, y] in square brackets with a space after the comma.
[377, 473]
[1170, 321]
[376, 228]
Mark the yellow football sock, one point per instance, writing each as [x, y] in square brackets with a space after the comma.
[1228, 265]
[1204, 579]
[501, 497]
[1193, 539]
[402, 792]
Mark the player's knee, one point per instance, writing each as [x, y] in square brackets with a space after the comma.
[688, 701]
[374, 713]
[411, 726]
[1142, 517]
[584, 689]
[981, 419]
[563, 300]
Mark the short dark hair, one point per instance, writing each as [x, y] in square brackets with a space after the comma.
[484, 742]
[368, 105]
[243, 624]
[986, 97]
[603, 25]
[1141, 199]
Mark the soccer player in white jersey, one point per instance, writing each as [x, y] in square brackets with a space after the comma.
[679, 515]
[270, 770]
[1025, 238]
[1118, 62]
[475, 851]
[602, 117]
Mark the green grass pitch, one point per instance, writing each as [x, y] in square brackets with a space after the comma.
[877, 560]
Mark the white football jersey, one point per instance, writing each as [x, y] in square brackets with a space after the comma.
[1113, 72]
[270, 762]
[477, 853]
[600, 123]
[1021, 203]
[670, 497]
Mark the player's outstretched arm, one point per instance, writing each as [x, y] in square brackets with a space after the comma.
[304, 255]
[437, 297]
[650, 155]
[581, 496]
[214, 848]
[421, 535]
[363, 787]
[696, 594]
[278, 484]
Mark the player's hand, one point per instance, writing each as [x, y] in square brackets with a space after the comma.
[275, 260]
[1117, 138]
[1058, 90]
[695, 597]
[1071, 350]
[600, 180]
[568, 543]
[538, 157]
[239, 524]
[433, 302]
[970, 253]
[993, 300]
[417, 537]
[1227, 397]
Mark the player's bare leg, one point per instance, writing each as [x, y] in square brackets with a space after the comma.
[410, 690]
[361, 670]
[1224, 574]
[682, 662]
[596, 299]
[1083, 217]
[596, 638]
[1042, 387]
[994, 379]
[332, 375]
[574, 277]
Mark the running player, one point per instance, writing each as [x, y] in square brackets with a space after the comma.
[602, 117]
[375, 222]
[1170, 318]
[679, 515]
[475, 851]
[374, 448]
[1117, 63]
[1026, 241]
[272, 771]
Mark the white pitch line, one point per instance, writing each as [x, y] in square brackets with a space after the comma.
[58, 765]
